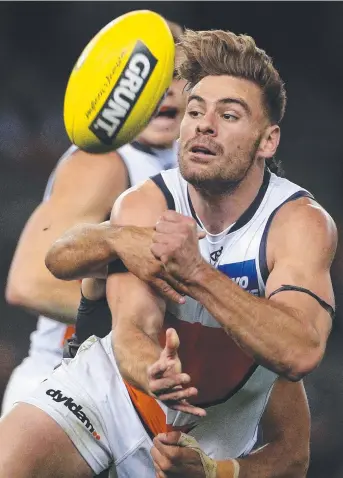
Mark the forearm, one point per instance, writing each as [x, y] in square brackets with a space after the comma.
[273, 334]
[83, 251]
[135, 351]
[53, 298]
[270, 461]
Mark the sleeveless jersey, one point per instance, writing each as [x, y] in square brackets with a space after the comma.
[141, 163]
[232, 387]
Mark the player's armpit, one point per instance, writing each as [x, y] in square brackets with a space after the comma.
[76, 197]
[301, 246]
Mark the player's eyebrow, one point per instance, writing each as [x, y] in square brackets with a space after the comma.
[225, 101]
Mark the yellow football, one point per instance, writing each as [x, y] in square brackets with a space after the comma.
[119, 81]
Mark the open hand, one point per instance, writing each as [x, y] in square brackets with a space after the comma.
[167, 382]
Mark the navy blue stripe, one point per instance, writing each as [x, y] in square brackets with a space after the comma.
[249, 212]
[263, 246]
[192, 209]
[159, 181]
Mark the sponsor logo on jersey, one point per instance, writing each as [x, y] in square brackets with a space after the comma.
[124, 94]
[215, 255]
[243, 274]
[69, 403]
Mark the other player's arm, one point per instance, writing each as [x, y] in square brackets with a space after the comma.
[85, 250]
[285, 450]
[286, 435]
[288, 332]
[84, 190]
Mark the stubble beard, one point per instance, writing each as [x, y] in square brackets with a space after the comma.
[218, 181]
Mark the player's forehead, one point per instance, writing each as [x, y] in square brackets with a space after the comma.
[214, 89]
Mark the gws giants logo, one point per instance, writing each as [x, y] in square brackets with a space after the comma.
[124, 94]
[58, 396]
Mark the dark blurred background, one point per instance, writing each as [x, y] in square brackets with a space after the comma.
[39, 43]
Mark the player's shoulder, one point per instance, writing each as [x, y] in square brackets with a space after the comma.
[145, 192]
[304, 221]
[87, 180]
[303, 213]
[79, 161]
[145, 197]
[85, 171]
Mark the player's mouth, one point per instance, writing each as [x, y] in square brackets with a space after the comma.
[200, 152]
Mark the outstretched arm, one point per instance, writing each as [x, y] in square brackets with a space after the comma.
[86, 250]
[287, 333]
[76, 197]
[83, 251]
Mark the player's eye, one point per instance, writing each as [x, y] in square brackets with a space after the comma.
[194, 113]
[230, 117]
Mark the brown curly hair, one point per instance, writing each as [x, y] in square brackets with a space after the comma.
[219, 52]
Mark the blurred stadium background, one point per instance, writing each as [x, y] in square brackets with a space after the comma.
[39, 43]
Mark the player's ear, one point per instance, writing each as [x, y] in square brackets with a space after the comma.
[269, 142]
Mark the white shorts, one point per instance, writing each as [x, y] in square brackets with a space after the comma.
[95, 410]
[87, 397]
[24, 379]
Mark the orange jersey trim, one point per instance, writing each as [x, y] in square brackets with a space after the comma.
[69, 332]
[149, 411]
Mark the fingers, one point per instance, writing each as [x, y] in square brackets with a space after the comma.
[175, 284]
[167, 291]
[177, 394]
[160, 461]
[162, 251]
[164, 228]
[172, 343]
[159, 472]
[159, 250]
[186, 407]
[173, 216]
[156, 370]
[170, 438]
[201, 234]
[173, 224]
[166, 385]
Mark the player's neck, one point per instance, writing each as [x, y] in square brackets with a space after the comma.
[218, 212]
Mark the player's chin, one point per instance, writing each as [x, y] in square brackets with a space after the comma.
[193, 173]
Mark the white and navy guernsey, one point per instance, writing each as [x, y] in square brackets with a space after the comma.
[232, 387]
[141, 162]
